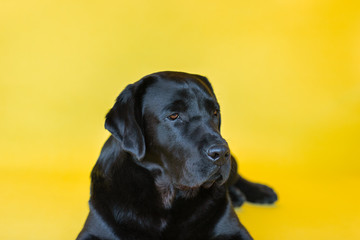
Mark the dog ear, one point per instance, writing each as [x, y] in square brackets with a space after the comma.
[123, 123]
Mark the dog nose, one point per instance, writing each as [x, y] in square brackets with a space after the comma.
[218, 154]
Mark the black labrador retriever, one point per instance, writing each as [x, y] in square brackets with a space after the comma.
[165, 172]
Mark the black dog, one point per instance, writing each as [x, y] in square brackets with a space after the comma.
[166, 172]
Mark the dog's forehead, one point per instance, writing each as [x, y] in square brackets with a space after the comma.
[170, 90]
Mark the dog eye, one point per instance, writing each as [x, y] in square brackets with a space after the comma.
[215, 113]
[173, 116]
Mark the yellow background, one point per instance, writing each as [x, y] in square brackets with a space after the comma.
[286, 73]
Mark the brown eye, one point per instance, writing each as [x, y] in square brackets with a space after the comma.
[216, 113]
[173, 116]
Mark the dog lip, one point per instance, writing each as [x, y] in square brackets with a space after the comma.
[214, 178]
[218, 181]
[208, 184]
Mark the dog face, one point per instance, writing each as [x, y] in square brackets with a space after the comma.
[170, 122]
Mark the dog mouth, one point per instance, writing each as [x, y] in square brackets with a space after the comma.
[215, 178]
[218, 176]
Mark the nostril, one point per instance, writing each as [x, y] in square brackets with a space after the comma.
[217, 152]
[214, 155]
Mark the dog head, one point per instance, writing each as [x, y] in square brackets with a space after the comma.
[170, 123]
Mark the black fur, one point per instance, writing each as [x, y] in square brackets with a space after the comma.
[166, 172]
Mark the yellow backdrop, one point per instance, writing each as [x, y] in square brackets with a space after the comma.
[286, 72]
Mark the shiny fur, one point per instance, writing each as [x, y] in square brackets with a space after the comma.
[166, 172]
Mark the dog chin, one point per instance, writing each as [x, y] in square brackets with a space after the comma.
[216, 179]
[187, 192]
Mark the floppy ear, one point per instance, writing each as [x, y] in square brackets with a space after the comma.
[122, 123]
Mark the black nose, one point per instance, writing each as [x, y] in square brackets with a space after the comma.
[218, 154]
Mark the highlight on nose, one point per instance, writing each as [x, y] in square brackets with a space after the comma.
[218, 154]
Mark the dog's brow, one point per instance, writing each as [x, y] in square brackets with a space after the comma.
[210, 104]
[177, 105]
